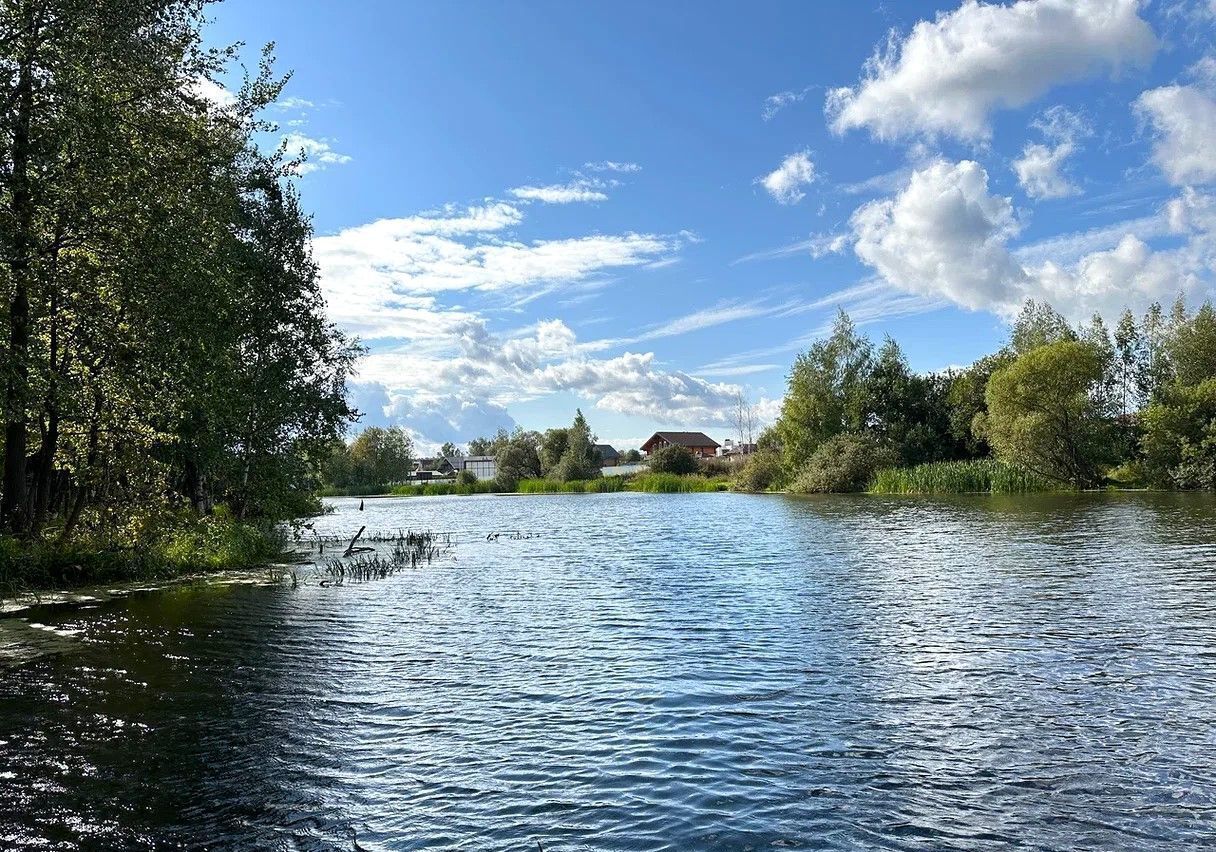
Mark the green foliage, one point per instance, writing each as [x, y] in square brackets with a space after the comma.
[842, 464]
[1179, 440]
[1044, 414]
[467, 486]
[189, 544]
[376, 458]
[762, 470]
[671, 483]
[517, 459]
[631, 457]
[465, 478]
[673, 459]
[826, 393]
[579, 460]
[971, 476]
[603, 485]
[553, 446]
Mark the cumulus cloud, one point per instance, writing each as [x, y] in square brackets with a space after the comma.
[785, 182]
[1040, 169]
[315, 154]
[945, 235]
[949, 75]
[1184, 123]
[547, 359]
[380, 280]
[567, 193]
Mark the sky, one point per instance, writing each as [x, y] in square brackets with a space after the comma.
[646, 210]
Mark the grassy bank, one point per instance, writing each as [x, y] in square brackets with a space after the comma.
[606, 485]
[961, 477]
[197, 544]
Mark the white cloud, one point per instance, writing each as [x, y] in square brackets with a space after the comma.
[213, 92]
[316, 154]
[612, 166]
[773, 104]
[946, 236]
[548, 359]
[784, 183]
[380, 279]
[943, 235]
[950, 74]
[1040, 169]
[578, 190]
[1184, 120]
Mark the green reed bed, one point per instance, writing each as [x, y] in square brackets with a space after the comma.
[670, 483]
[986, 476]
[444, 489]
[606, 485]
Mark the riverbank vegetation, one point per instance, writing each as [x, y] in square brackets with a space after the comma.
[170, 384]
[1057, 408]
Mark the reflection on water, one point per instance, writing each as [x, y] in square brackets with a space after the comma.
[654, 672]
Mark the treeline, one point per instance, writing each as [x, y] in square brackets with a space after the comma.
[1079, 407]
[164, 349]
[376, 458]
[563, 454]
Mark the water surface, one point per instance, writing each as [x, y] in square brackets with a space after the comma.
[653, 672]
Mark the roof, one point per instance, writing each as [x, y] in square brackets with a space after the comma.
[478, 459]
[685, 439]
[607, 451]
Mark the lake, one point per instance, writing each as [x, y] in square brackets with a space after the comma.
[652, 672]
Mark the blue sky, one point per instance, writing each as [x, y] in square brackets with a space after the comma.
[647, 209]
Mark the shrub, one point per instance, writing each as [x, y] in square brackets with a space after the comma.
[762, 470]
[673, 459]
[466, 477]
[716, 466]
[843, 463]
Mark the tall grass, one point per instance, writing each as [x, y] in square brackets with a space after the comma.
[444, 489]
[670, 483]
[605, 485]
[961, 477]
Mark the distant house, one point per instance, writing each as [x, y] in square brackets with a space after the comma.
[609, 457]
[698, 443]
[483, 467]
[432, 468]
[734, 449]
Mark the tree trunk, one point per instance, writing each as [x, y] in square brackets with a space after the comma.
[14, 509]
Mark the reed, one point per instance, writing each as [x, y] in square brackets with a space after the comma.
[605, 485]
[444, 489]
[977, 476]
[670, 483]
[409, 550]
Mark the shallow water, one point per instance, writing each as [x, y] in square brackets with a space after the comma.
[653, 672]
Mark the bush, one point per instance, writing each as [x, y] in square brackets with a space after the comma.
[762, 470]
[977, 476]
[843, 463]
[466, 477]
[673, 459]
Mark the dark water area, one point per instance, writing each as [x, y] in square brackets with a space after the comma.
[653, 672]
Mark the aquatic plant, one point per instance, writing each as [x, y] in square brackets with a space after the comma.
[670, 483]
[409, 550]
[961, 477]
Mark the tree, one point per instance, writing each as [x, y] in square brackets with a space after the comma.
[579, 460]
[744, 416]
[1129, 351]
[825, 394]
[631, 457]
[1038, 325]
[1179, 441]
[450, 451]
[1191, 347]
[518, 459]
[553, 446]
[673, 459]
[1043, 414]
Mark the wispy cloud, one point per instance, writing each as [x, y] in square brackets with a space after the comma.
[315, 154]
[785, 182]
[567, 193]
[773, 104]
